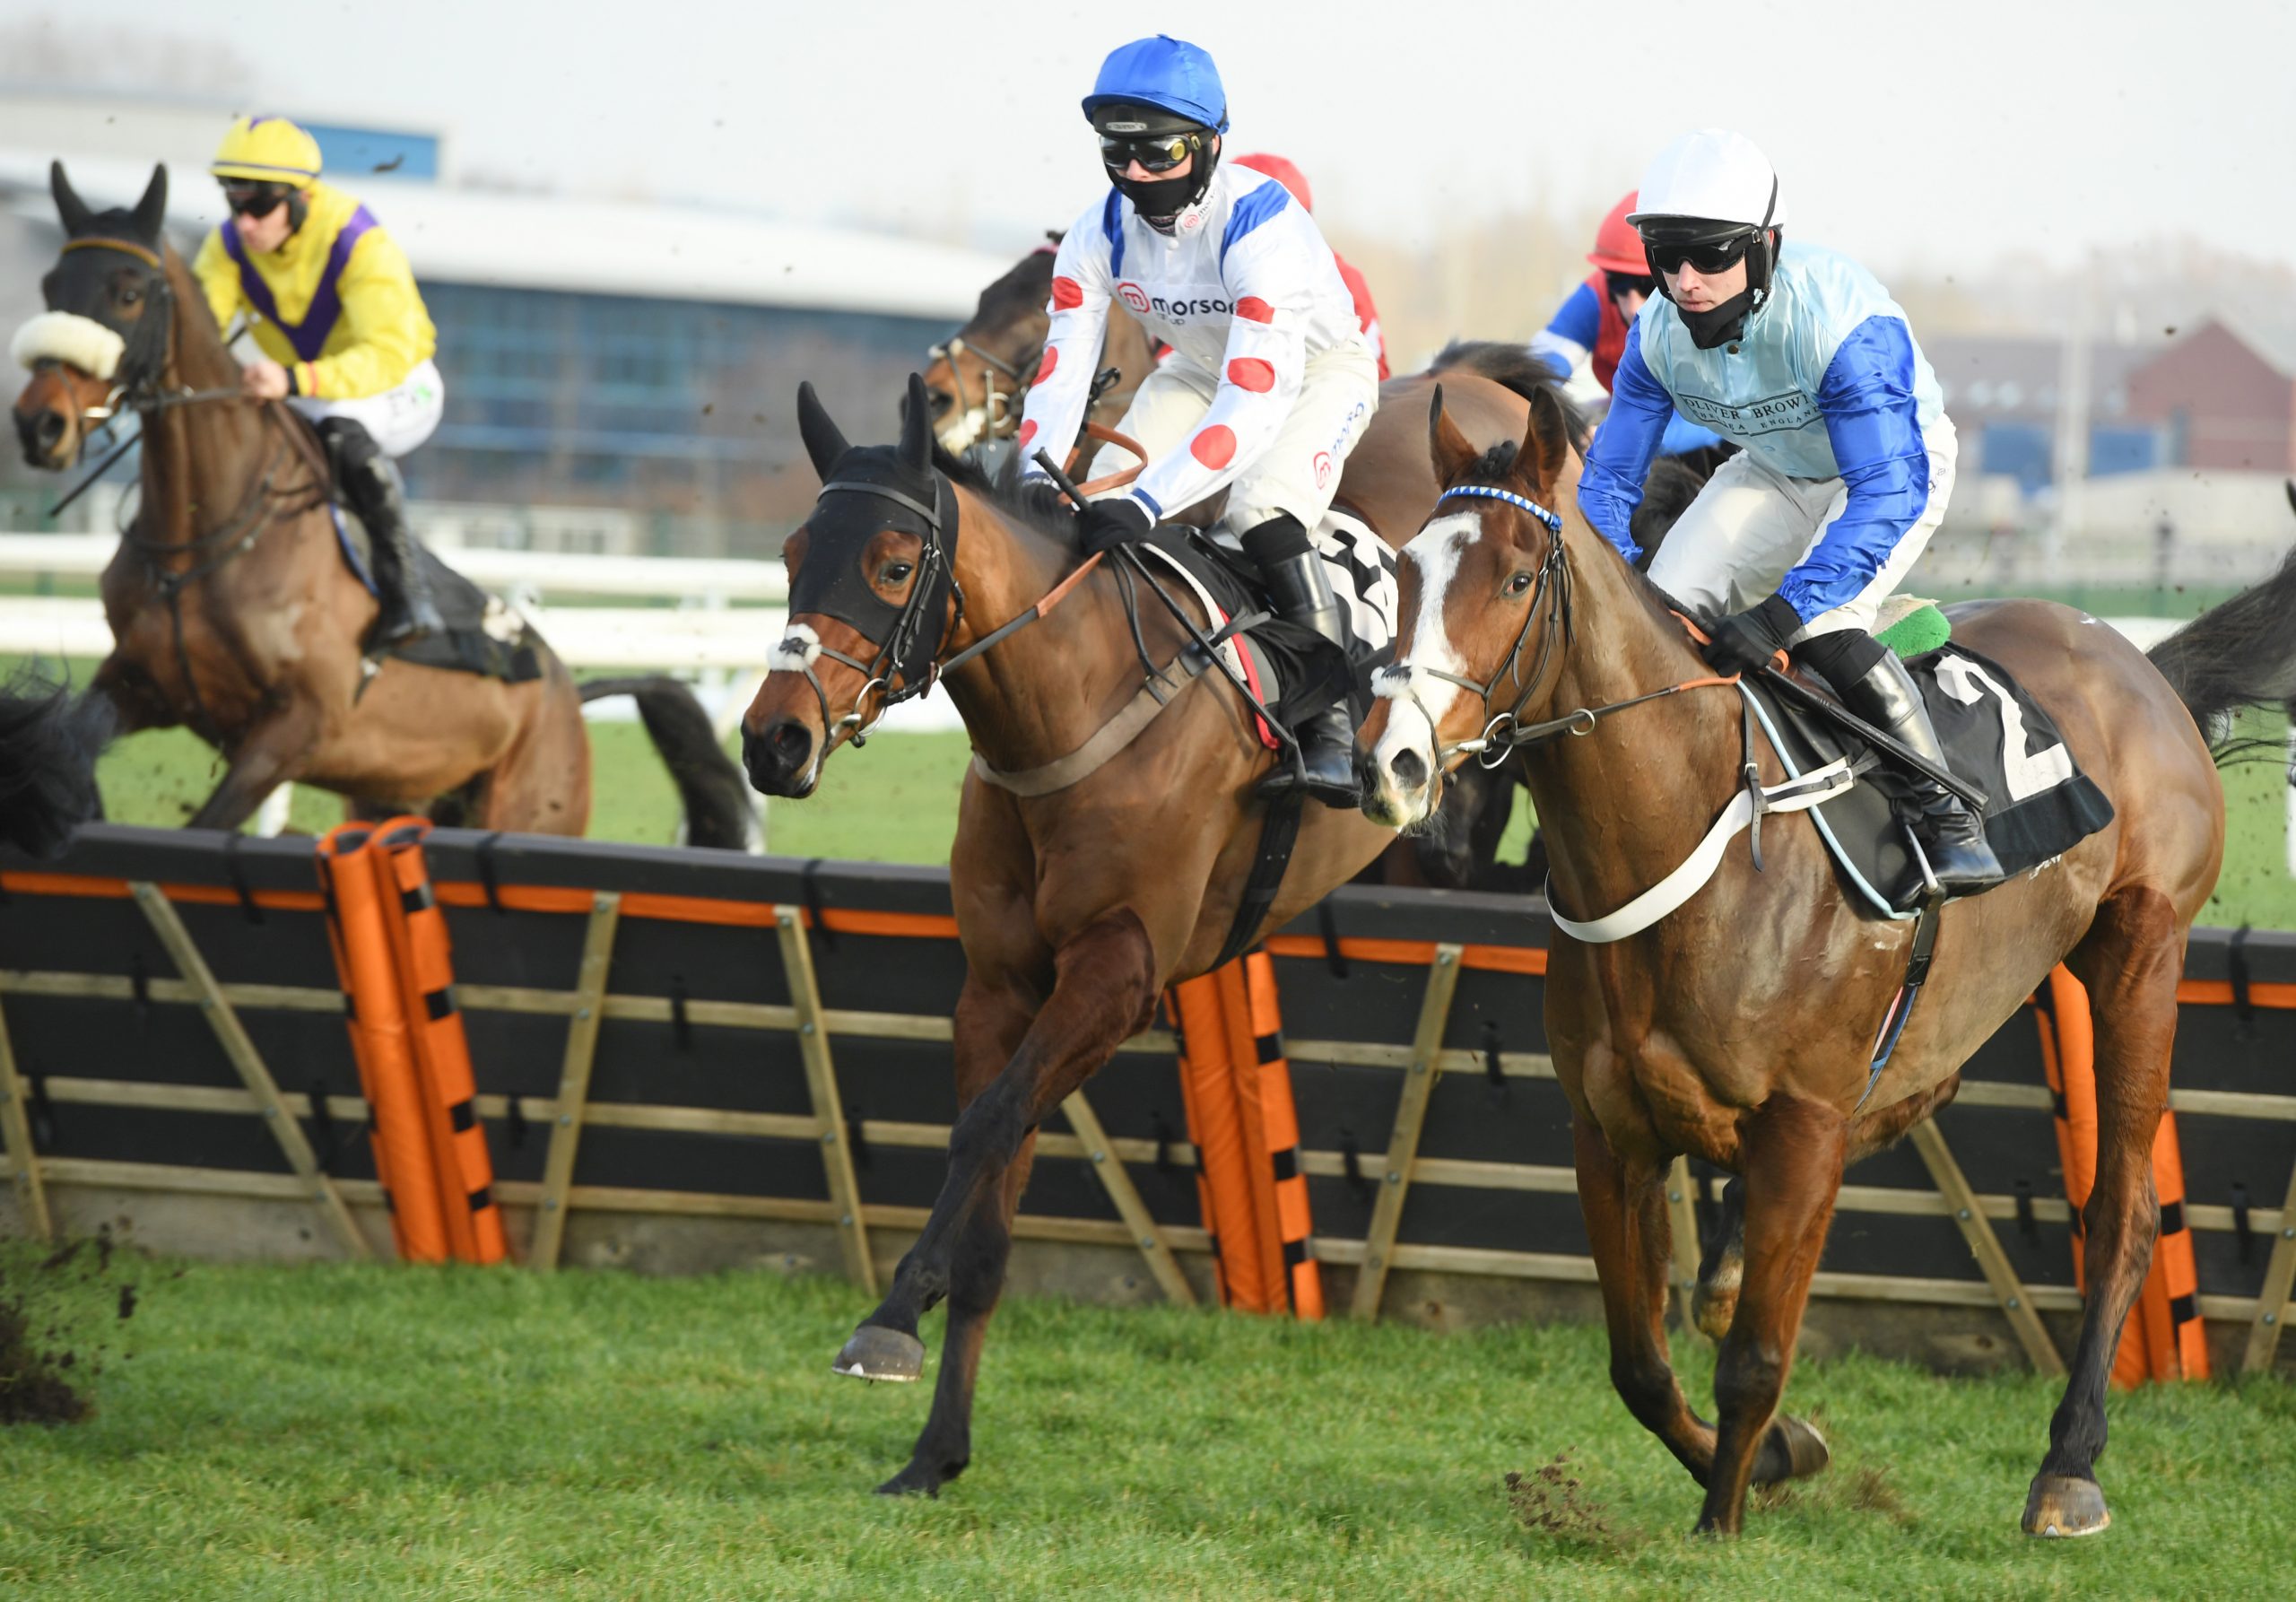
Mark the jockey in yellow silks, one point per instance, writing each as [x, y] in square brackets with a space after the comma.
[345, 335]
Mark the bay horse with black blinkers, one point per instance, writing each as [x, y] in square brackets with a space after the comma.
[1078, 905]
[1738, 1027]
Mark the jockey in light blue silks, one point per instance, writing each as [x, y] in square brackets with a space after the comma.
[1799, 356]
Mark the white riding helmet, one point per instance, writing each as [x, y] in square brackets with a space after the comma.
[1713, 174]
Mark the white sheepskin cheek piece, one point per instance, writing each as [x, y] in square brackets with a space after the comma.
[799, 649]
[70, 338]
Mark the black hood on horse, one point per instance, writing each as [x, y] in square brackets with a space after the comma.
[867, 490]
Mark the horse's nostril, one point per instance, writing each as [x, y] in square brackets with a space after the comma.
[1409, 771]
[792, 743]
[50, 430]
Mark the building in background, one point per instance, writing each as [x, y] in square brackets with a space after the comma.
[631, 368]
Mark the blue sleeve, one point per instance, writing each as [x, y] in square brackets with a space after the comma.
[1871, 419]
[1683, 436]
[1619, 459]
[1579, 319]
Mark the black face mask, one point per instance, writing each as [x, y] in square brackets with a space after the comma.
[873, 490]
[1160, 199]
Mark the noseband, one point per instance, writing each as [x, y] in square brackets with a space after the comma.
[1000, 421]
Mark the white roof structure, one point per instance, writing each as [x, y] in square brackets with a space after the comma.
[529, 241]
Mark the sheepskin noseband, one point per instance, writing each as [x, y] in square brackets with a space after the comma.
[70, 338]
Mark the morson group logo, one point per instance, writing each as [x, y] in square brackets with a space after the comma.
[1171, 310]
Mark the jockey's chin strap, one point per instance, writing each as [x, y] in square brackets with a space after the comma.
[899, 672]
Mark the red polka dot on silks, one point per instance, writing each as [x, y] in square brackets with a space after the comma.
[1067, 292]
[1051, 360]
[1249, 372]
[1027, 433]
[1216, 446]
[1253, 309]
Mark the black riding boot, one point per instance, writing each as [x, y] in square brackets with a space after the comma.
[1301, 590]
[1952, 837]
[404, 609]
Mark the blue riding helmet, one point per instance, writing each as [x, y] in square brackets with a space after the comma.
[1164, 72]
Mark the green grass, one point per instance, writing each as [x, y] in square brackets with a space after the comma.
[389, 1432]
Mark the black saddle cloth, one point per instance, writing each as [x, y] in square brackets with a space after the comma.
[2039, 803]
[1309, 673]
[464, 646]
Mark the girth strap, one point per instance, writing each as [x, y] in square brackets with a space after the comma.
[1111, 737]
[1793, 794]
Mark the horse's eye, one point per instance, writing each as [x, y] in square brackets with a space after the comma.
[130, 295]
[896, 573]
[1519, 584]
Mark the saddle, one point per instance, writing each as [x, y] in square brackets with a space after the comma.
[1296, 672]
[483, 635]
[2039, 803]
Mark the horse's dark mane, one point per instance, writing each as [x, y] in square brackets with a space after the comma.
[1033, 502]
[1511, 367]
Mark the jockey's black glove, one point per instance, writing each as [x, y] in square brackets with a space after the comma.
[1746, 640]
[1119, 520]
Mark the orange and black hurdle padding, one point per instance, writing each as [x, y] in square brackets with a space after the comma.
[1236, 1085]
[1280, 1133]
[404, 1159]
[2171, 1343]
[423, 960]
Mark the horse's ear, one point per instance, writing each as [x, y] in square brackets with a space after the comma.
[74, 211]
[152, 211]
[917, 428]
[824, 443]
[1453, 452]
[1547, 444]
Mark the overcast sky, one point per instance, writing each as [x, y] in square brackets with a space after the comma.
[1918, 135]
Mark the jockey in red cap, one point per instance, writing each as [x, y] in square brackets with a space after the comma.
[1284, 172]
[1588, 332]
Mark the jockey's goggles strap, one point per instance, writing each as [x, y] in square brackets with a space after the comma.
[1485, 491]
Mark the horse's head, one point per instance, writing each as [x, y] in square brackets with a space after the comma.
[105, 327]
[977, 381]
[1484, 598]
[873, 597]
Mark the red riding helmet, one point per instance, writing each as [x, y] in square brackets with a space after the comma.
[1291, 179]
[1618, 248]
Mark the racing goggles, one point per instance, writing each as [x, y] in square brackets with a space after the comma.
[1155, 152]
[254, 199]
[1705, 255]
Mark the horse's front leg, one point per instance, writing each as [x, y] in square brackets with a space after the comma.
[1104, 991]
[1791, 1155]
[271, 753]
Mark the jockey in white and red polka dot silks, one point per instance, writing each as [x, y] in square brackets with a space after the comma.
[1270, 381]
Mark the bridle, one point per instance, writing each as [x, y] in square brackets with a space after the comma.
[1549, 599]
[877, 674]
[1505, 732]
[1001, 420]
[139, 385]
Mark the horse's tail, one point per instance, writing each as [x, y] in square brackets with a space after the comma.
[715, 795]
[2239, 654]
[1510, 367]
[49, 740]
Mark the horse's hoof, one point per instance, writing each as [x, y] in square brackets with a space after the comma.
[878, 1352]
[1791, 1450]
[2061, 1506]
[912, 1481]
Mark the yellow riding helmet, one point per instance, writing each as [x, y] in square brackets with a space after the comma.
[268, 150]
